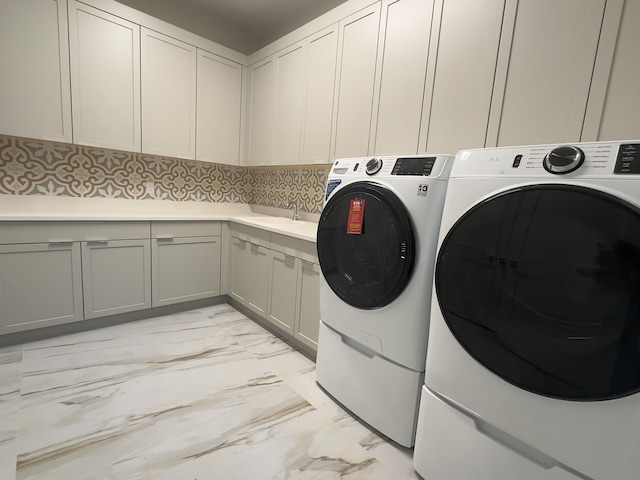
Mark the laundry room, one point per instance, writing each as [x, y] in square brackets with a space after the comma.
[392, 239]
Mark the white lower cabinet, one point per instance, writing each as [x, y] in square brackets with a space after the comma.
[276, 277]
[250, 275]
[185, 261]
[308, 304]
[116, 276]
[40, 285]
[283, 282]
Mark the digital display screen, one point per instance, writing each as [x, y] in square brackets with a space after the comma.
[628, 160]
[421, 166]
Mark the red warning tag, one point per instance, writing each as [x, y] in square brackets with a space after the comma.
[356, 216]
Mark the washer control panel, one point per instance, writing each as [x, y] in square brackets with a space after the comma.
[386, 166]
[581, 159]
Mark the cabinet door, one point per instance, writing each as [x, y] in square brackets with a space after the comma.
[261, 113]
[35, 92]
[289, 97]
[402, 67]
[168, 95]
[184, 269]
[219, 107]
[283, 283]
[614, 101]
[258, 279]
[358, 46]
[105, 78]
[308, 308]
[40, 285]
[461, 73]
[240, 269]
[544, 70]
[116, 276]
[321, 76]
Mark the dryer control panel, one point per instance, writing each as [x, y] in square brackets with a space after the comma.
[594, 159]
[385, 166]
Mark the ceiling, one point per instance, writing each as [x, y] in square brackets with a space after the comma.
[242, 25]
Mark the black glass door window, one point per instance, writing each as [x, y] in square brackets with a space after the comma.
[371, 269]
[542, 286]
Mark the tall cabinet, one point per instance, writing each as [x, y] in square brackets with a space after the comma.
[400, 76]
[105, 78]
[35, 98]
[357, 50]
[544, 70]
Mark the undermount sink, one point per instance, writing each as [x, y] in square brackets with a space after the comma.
[280, 221]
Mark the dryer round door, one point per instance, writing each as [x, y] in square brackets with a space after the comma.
[541, 285]
[370, 268]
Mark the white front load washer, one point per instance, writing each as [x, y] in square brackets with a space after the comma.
[376, 244]
[533, 360]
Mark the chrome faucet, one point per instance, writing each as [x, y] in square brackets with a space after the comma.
[296, 214]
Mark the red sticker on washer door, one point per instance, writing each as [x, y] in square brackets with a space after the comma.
[356, 216]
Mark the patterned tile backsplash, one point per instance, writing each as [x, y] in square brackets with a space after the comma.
[39, 167]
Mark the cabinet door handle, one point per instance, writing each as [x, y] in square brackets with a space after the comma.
[95, 241]
[60, 242]
[164, 238]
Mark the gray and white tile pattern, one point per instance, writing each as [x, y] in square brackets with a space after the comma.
[204, 395]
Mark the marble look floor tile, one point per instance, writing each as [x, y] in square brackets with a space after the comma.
[10, 378]
[205, 394]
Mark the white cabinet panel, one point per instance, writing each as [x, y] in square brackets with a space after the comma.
[289, 97]
[283, 284]
[239, 268]
[105, 78]
[249, 269]
[620, 118]
[542, 80]
[321, 76]
[116, 276]
[185, 269]
[40, 285]
[261, 114]
[35, 93]
[402, 67]
[462, 69]
[358, 46]
[308, 308]
[168, 95]
[219, 108]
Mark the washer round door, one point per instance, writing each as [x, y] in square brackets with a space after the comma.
[369, 269]
[541, 285]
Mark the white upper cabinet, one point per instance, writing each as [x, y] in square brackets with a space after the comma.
[614, 101]
[357, 50]
[462, 65]
[35, 96]
[544, 71]
[289, 99]
[291, 102]
[402, 66]
[168, 95]
[219, 107]
[261, 113]
[105, 78]
[321, 76]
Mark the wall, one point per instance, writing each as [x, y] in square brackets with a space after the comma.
[38, 167]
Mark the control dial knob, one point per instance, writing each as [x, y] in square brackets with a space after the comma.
[563, 160]
[373, 166]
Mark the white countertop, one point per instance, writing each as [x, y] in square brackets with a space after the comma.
[48, 208]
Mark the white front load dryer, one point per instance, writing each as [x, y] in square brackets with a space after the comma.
[376, 244]
[533, 363]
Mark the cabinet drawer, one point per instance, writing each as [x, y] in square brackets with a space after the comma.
[250, 234]
[185, 229]
[295, 247]
[56, 232]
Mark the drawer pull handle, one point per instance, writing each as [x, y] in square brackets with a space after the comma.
[60, 242]
[164, 238]
[97, 240]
